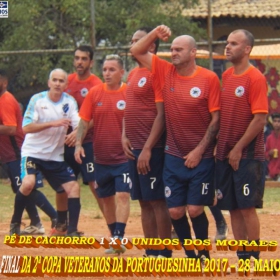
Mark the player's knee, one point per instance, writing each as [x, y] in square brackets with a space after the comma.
[195, 211]
[72, 189]
[122, 197]
[176, 213]
[160, 203]
[27, 186]
[146, 205]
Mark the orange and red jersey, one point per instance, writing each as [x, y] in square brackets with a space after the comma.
[188, 102]
[79, 89]
[140, 111]
[10, 115]
[242, 96]
[106, 108]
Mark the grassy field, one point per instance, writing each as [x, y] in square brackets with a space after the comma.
[89, 205]
[90, 209]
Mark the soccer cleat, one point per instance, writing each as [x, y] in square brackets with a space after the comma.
[222, 231]
[31, 229]
[113, 251]
[15, 228]
[58, 230]
[54, 222]
[75, 234]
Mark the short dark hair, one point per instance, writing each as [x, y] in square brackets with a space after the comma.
[3, 74]
[86, 48]
[249, 36]
[275, 115]
[148, 30]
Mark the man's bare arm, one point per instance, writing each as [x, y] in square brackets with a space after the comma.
[81, 131]
[140, 49]
[37, 127]
[193, 158]
[157, 130]
[8, 130]
[255, 127]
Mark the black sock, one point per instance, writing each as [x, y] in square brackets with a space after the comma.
[42, 202]
[32, 213]
[165, 252]
[20, 202]
[62, 217]
[183, 230]
[200, 227]
[74, 208]
[150, 252]
[112, 228]
[243, 255]
[217, 214]
[119, 229]
[255, 254]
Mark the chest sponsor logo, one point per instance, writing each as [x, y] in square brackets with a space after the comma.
[84, 92]
[44, 107]
[195, 92]
[121, 104]
[239, 91]
[65, 108]
[142, 82]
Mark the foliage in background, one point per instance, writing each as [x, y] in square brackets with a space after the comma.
[64, 24]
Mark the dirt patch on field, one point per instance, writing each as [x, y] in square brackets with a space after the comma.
[98, 229]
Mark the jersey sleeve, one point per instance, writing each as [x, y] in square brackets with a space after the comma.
[74, 114]
[9, 112]
[160, 69]
[214, 101]
[31, 115]
[157, 90]
[86, 110]
[258, 96]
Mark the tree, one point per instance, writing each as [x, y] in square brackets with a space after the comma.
[64, 24]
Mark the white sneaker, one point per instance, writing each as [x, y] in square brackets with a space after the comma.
[31, 229]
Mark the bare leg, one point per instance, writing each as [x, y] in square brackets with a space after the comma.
[122, 206]
[163, 220]
[148, 218]
[109, 208]
[99, 201]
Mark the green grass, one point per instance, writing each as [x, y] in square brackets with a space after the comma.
[89, 206]
[91, 210]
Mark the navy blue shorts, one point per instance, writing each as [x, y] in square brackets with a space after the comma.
[13, 170]
[188, 186]
[56, 173]
[86, 168]
[150, 186]
[111, 179]
[240, 189]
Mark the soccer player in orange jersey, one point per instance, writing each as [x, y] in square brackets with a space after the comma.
[191, 96]
[143, 143]
[105, 105]
[240, 150]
